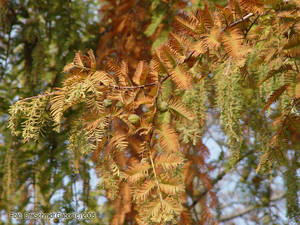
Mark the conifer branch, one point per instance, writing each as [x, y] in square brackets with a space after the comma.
[293, 103]
[38, 96]
[141, 86]
[112, 86]
[129, 87]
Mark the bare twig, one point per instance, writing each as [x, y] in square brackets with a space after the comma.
[251, 25]
[217, 179]
[248, 209]
[239, 21]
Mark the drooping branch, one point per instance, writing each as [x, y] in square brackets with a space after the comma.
[144, 85]
[112, 86]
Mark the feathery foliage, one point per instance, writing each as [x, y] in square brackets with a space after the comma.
[144, 120]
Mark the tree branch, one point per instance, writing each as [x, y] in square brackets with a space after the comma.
[251, 25]
[38, 96]
[141, 86]
[239, 21]
[216, 180]
[144, 85]
[248, 209]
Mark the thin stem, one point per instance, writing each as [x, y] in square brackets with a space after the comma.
[151, 136]
[141, 86]
[228, 67]
[248, 209]
[217, 179]
[156, 180]
[297, 68]
[7, 52]
[38, 96]
[112, 86]
[239, 21]
[249, 28]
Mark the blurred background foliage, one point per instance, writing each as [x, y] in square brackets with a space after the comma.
[37, 38]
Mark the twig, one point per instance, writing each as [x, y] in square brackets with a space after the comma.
[112, 86]
[249, 28]
[239, 21]
[7, 52]
[216, 180]
[248, 209]
[228, 67]
[156, 180]
[293, 103]
[159, 83]
[297, 69]
[134, 87]
[38, 96]
[141, 86]
[196, 215]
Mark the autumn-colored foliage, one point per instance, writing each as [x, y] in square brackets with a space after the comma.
[142, 116]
